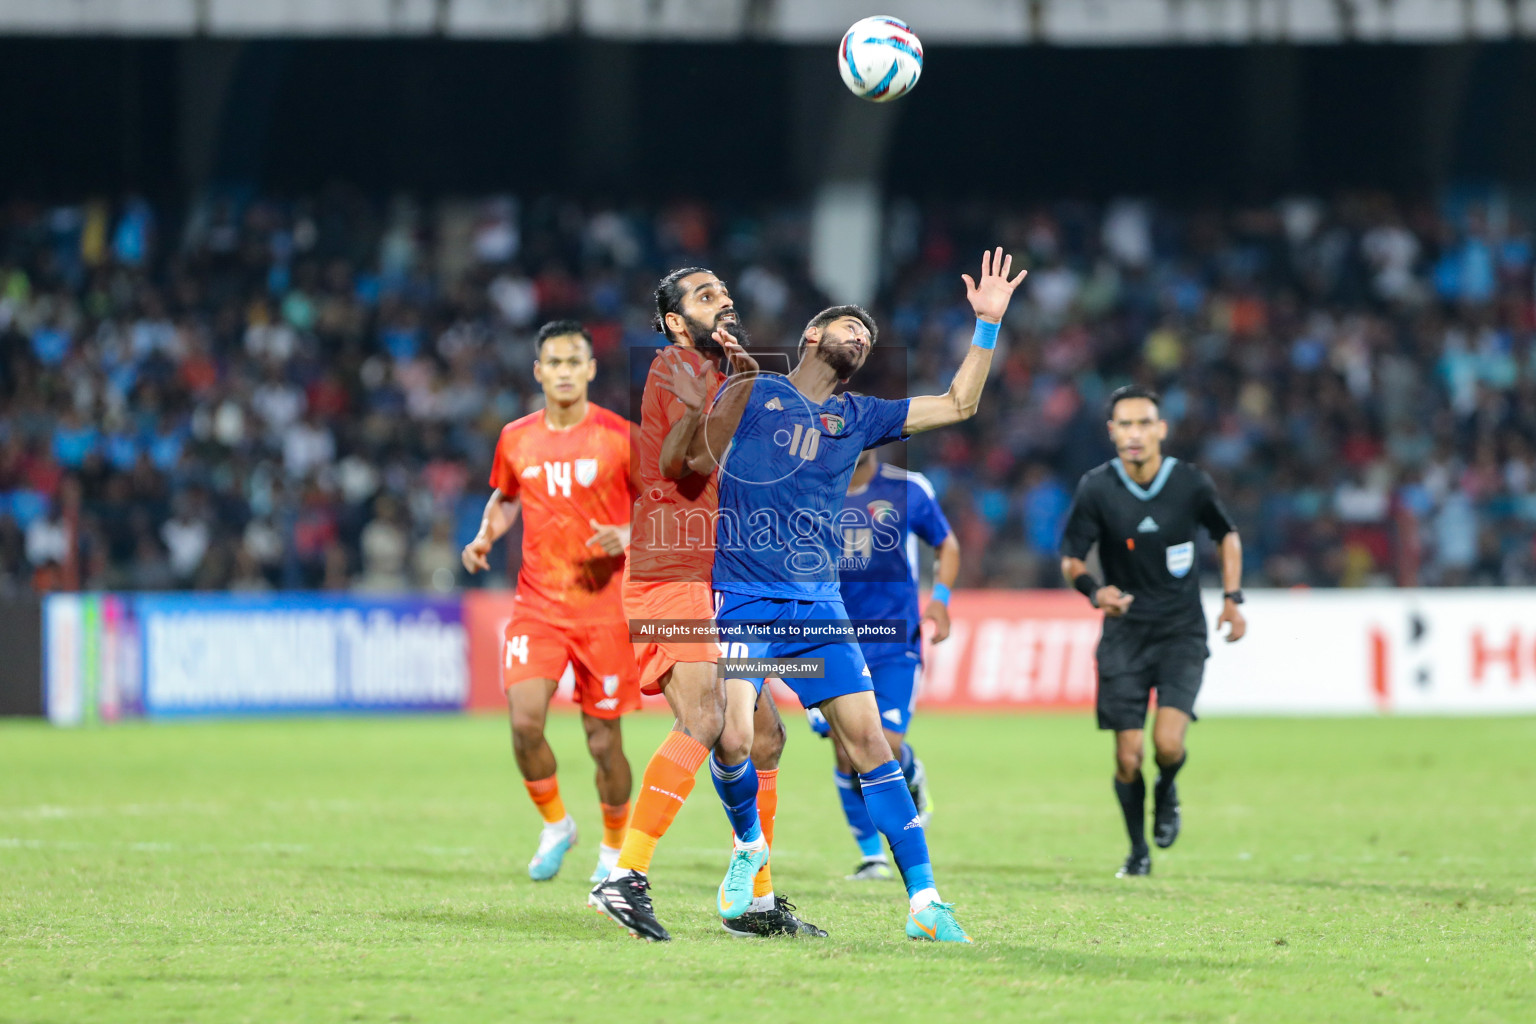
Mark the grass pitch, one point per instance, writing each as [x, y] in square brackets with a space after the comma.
[375, 870]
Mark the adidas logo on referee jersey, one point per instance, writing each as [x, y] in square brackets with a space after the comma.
[1147, 525]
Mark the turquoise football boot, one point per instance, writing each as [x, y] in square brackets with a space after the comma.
[554, 843]
[735, 896]
[936, 923]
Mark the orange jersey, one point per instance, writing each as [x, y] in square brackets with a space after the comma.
[674, 524]
[565, 479]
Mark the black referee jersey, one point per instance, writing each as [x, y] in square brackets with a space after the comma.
[1146, 538]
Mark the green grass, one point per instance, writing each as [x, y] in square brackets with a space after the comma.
[374, 870]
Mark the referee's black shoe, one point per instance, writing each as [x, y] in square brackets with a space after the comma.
[1138, 863]
[1166, 818]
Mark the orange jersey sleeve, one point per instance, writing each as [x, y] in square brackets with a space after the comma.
[503, 474]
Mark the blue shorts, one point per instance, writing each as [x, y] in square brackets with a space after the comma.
[895, 692]
[845, 669]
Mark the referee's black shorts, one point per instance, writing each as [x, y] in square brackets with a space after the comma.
[1135, 658]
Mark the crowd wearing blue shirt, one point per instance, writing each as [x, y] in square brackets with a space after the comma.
[251, 392]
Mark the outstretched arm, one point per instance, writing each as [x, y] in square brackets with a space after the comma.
[989, 296]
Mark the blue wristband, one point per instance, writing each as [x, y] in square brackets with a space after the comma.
[940, 594]
[986, 334]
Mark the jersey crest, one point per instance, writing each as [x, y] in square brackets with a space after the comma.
[882, 511]
[1181, 558]
[832, 423]
[586, 471]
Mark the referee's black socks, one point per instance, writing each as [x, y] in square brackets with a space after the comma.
[1165, 776]
[1133, 804]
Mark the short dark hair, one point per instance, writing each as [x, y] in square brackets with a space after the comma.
[832, 313]
[1132, 391]
[561, 328]
[669, 296]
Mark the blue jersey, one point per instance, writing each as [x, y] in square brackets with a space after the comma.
[782, 485]
[881, 527]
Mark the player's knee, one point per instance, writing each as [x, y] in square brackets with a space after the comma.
[527, 731]
[735, 745]
[768, 746]
[1128, 762]
[702, 723]
[1168, 749]
[603, 742]
[868, 751]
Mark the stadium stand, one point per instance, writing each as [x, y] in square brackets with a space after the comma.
[260, 393]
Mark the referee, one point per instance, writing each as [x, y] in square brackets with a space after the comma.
[1142, 509]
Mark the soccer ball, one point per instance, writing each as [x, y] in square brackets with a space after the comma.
[880, 59]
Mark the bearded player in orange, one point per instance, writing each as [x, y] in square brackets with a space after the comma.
[669, 576]
[568, 467]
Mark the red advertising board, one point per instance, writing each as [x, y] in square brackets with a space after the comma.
[1020, 650]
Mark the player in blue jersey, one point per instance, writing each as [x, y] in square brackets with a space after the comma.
[885, 513]
[782, 484]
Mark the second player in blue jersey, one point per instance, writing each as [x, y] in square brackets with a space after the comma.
[886, 512]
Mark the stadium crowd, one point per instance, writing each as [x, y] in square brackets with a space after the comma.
[254, 393]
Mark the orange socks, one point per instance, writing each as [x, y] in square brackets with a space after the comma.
[615, 821]
[545, 794]
[666, 784]
[767, 807]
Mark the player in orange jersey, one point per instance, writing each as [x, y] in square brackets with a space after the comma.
[568, 468]
[669, 577]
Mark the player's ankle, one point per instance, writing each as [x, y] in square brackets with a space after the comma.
[924, 898]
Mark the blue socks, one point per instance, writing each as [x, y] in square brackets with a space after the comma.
[737, 786]
[891, 808]
[907, 760]
[859, 821]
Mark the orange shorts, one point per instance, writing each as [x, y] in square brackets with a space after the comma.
[645, 599]
[599, 653]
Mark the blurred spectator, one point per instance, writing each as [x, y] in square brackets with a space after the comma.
[384, 547]
[253, 393]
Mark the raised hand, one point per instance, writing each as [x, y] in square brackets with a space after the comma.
[740, 361]
[991, 292]
[680, 379]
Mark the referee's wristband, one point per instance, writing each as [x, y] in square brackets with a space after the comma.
[940, 594]
[1088, 587]
[986, 334]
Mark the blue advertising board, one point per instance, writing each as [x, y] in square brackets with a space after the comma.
[226, 654]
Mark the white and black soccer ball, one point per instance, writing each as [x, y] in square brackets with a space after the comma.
[880, 58]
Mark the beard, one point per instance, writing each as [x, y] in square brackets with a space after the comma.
[702, 334]
[843, 361]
